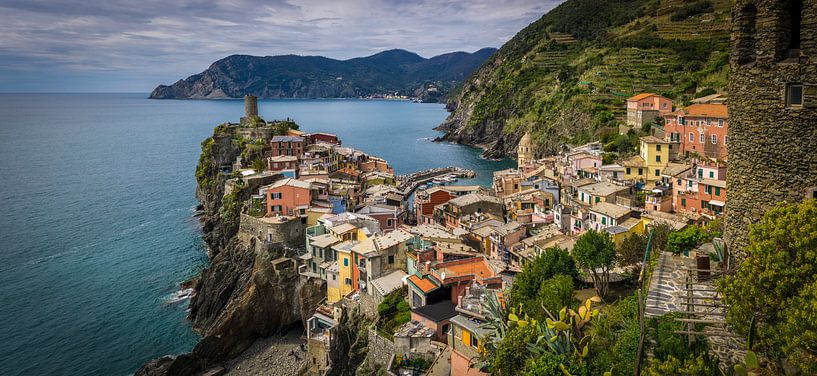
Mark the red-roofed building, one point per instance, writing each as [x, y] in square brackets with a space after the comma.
[701, 129]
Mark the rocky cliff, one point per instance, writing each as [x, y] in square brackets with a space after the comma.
[291, 76]
[566, 76]
[240, 296]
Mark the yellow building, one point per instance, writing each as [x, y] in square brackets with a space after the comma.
[625, 229]
[655, 153]
[341, 276]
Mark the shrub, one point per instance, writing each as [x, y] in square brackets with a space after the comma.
[693, 9]
[685, 240]
[527, 284]
[594, 251]
[512, 353]
[556, 292]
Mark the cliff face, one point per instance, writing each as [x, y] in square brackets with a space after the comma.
[240, 296]
[566, 76]
[291, 76]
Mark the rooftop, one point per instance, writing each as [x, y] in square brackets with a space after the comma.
[708, 110]
[323, 241]
[424, 284]
[389, 282]
[603, 189]
[610, 210]
[437, 312]
[653, 140]
[641, 96]
[473, 198]
[287, 139]
[343, 228]
[675, 169]
[477, 266]
[284, 158]
[291, 183]
[431, 231]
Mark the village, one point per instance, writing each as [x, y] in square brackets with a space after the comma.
[419, 255]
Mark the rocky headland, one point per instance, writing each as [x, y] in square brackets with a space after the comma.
[240, 297]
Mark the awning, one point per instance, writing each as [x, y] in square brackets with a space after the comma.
[717, 203]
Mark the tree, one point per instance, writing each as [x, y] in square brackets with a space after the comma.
[528, 283]
[631, 250]
[777, 285]
[594, 251]
[555, 293]
[258, 165]
[685, 240]
[511, 355]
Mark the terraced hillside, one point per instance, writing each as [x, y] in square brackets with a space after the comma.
[566, 76]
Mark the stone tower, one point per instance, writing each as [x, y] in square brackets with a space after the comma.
[250, 105]
[524, 152]
[250, 110]
[773, 110]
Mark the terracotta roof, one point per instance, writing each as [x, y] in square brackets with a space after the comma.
[477, 266]
[423, 284]
[641, 96]
[708, 110]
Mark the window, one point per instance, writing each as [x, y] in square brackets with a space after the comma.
[794, 8]
[724, 139]
[474, 342]
[391, 259]
[641, 171]
[598, 199]
[345, 262]
[720, 123]
[348, 281]
[708, 189]
[390, 223]
[714, 139]
[658, 158]
[604, 220]
[629, 171]
[684, 202]
[276, 195]
[657, 147]
[691, 137]
[657, 172]
[794, 95]
[717, 191]
[703, 138]
[700, 173]
[711, 174]
[681, 120]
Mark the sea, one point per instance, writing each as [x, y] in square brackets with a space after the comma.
[96, 214]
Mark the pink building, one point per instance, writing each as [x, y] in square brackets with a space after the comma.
[288, 197]
[644, 108]
[701, 129]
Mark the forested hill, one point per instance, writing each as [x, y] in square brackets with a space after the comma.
[291, 76]
[566, 76]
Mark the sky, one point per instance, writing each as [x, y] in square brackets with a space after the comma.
[132, 46]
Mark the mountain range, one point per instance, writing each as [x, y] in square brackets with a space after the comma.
[291, 76]
[566, 77]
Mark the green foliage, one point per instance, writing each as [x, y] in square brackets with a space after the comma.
[393, 311]
[512, 352]
[692, 9]
[528, 284]
[609, 158]
[555, 293]
[565, 333]
[206, 166]
[621, 144]
[549, 364]
[685, 240]
[589, 19]
[594, 251]
[631, 250]
[258, 165]
[777, 285]
[672, 366]
[615, 338]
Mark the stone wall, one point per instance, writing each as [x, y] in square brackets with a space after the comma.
[289, 233]
[772, 147]
[380, 350]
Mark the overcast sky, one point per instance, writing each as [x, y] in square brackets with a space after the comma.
[132, 45]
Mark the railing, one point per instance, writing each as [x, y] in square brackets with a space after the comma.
[643, 287]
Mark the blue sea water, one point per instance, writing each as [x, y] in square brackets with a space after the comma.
[96, 204]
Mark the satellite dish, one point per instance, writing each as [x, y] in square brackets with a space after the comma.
[442, 276]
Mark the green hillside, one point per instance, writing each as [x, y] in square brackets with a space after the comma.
[566, 76]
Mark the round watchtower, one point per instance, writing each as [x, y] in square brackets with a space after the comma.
[250, 106]
[772, 111]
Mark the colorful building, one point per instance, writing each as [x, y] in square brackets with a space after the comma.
[288, 145]
[288, 197]
[644, 108]
[700, 129]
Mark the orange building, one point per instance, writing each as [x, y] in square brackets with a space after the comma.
[643, 108]
[288, 197]
[700, 129]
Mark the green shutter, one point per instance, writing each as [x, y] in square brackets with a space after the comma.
[717, 191]
[683, 202]
[598, 199]
[604, 220]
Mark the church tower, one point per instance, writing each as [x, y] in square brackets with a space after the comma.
[773, 111]
[524, 152]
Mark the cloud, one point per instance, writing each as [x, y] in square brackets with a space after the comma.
[134, 43]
